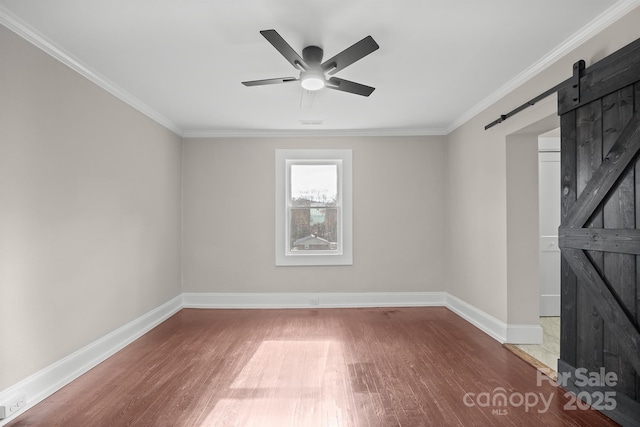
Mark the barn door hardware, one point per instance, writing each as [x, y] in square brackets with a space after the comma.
[578, 69]
[573, 82]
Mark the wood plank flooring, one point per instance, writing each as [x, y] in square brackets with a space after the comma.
[311, 367]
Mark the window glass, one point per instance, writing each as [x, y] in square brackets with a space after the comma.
[313, 209]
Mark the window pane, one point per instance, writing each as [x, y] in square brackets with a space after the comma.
[314, 216]
[314, 229]
[313, 207]
[314, 185]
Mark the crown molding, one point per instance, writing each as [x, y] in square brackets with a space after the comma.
[601, 22]
[19, 27]
[300, 133]
[611, 15]
[22, 29]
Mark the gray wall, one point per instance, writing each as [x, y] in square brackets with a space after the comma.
[491, 228]
[229, 217]
[89, 211]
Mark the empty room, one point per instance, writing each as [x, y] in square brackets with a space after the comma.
[338, 213]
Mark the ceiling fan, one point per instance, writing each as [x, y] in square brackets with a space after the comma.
[312, 69]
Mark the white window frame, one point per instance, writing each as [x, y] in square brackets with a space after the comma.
[344, 253]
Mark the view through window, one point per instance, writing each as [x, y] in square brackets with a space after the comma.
[314, 205]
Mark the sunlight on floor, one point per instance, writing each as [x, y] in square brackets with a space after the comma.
[262, 393]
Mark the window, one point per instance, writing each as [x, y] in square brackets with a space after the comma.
[313, 207]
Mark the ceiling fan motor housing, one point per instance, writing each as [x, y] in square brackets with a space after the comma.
[313, 77]
[312, 55]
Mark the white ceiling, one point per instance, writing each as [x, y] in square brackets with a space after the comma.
[181, 61]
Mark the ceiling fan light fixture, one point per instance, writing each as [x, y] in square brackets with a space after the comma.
[313, 70]
[312, 80]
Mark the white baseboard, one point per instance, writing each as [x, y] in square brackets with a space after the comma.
[497, 329]
[549, 305]
[44, 383]
[493, 327]
[524, 334]
[310, 300]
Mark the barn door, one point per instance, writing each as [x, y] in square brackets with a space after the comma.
[600, 235]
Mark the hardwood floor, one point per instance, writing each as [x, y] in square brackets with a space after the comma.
[311, 367]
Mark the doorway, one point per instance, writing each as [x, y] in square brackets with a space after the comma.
[599, 237]
[549, 208]
[549, 194]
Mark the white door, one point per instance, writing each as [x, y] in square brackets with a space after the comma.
[549, 189]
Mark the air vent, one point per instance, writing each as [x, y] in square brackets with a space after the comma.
[311, 122]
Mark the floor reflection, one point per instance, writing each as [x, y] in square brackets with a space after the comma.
[287, 383]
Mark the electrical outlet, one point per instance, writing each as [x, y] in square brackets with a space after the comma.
[10, 407]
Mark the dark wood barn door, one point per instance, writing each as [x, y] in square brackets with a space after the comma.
[600, 236]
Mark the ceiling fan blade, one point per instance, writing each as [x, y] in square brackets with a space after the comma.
[350, 55]
[270, 81]
[349, 86]
[283, 47]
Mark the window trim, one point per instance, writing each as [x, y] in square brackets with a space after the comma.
[286, 157]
